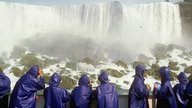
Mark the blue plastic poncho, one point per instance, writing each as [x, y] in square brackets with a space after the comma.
[55, 97]
[4, 89]
[189, 89]
[188, 94]
[106, 94]
[24, 92]
[165, 96]
[138, 93]
[179, 90]
[81, 94]
[5, 85]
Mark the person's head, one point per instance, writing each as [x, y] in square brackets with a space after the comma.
[140, 71]
[103, 77]
[84, 80]
[182, 78]
[158, 85]
[164, 74]
[55, 79]
[34, 71]
[1, 70]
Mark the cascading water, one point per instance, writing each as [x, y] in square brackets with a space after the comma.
[134, 25]
[147, 24]
[162, 20]
[122, 29]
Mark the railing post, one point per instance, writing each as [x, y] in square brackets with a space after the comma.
[153, 102]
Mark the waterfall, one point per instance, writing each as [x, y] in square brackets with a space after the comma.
[131, 24]
[162, 20]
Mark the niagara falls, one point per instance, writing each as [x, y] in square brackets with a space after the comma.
[83, 39]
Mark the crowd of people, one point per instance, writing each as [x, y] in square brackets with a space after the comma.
[24, 94]
[179, 96]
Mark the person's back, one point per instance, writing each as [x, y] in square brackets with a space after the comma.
[179, 90]
[165, 95]
[188, 94]
[24, 92]
[81, 95]
[55, 97]
[5, 87]
[107, 96]
[138, 92]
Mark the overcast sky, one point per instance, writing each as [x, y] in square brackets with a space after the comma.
[64, 2]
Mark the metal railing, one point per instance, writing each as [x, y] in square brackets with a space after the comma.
[123, 102]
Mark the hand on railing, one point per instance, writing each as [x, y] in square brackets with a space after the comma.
[148, 87]
[36, 97]
[40, 72]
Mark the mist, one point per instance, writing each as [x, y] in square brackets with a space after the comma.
[77, 31]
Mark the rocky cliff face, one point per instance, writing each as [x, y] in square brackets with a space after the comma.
[186, 18]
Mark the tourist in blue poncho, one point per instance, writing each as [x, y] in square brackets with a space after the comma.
[5, 88]
[188, 94]
[81, 95]
[25, 90]
[165, 95]
[179, 90]
[55, 97]
[138, 92]
[106, 94]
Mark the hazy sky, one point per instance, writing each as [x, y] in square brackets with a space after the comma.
[64, 2]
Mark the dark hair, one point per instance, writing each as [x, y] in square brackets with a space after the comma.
[1, 69]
